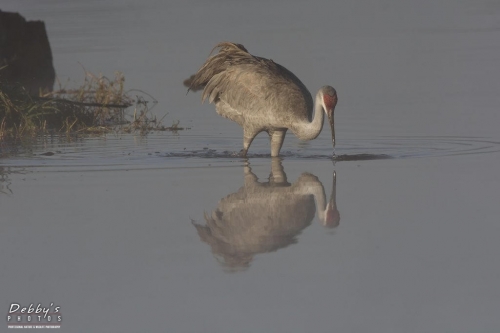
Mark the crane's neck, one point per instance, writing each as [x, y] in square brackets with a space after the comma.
[307, 130]
[309, 184]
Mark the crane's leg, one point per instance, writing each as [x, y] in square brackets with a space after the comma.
[250, 178]
[278, 175]
[248, 136]
[277, 137]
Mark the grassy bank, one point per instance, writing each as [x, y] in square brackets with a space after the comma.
[98, 106]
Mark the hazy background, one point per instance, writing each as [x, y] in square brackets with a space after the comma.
[400, 67]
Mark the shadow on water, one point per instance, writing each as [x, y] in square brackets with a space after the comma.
[360, 157]
[266, 216]
[212, 153]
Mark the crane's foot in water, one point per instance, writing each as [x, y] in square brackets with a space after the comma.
[242, 153]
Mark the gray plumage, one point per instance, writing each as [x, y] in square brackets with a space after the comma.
[264, 217]
[261, 95]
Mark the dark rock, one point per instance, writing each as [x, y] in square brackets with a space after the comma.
[25, 53]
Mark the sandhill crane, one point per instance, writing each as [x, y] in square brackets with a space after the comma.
[264, 217]
[261, 95]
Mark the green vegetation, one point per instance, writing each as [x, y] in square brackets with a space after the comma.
[96, 108]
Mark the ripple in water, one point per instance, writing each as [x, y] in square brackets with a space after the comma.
[393, 147]
[127, 151]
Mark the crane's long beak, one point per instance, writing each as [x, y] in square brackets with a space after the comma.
[332, 215]
[331, 120]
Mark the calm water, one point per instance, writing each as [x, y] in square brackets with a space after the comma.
[174, 233]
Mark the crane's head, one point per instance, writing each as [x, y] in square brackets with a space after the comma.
[332, 216]
[329, 97]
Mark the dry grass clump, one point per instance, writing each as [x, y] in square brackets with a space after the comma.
[97, 107]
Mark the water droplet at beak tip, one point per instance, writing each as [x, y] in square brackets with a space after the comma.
[334, 157]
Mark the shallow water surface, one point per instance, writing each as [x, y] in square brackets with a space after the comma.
[294, 242]
[396, 232]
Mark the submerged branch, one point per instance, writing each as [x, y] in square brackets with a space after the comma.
[103, 105]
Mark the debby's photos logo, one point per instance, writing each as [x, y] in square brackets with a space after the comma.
[34, 316]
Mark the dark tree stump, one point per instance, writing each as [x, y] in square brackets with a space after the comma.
[25, 51]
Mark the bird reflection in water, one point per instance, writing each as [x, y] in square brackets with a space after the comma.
[264, 217]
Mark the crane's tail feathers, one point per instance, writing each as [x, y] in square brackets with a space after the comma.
[228, 47]
[189, 84]
[211, 74]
